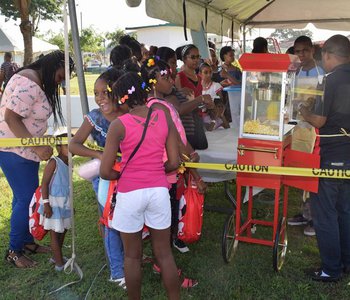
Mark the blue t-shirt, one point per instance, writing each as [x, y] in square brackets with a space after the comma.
[100, 126]
[99, 132]
[314, 72]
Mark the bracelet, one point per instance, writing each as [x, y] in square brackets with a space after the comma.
[193, 153]
[199, 180]
[46, 201]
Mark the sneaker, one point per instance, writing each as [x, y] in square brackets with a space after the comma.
[297, 220]
[59, 268]
[180, 245]
[119, 281]
[53, 262]
[319, 275]
[309, 229]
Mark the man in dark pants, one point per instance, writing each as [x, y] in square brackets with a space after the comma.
[330, 207]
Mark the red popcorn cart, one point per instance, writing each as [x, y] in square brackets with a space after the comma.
[264, 140]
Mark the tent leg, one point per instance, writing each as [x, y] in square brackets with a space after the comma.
[78, 57]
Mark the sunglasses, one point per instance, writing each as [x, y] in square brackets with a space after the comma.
[194, 57]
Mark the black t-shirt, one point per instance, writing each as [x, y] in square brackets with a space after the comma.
[335, 105]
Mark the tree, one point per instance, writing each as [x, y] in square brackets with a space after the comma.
[56, 39]
[290, 34]
[90, 41]
[114, 37]
[30, 12]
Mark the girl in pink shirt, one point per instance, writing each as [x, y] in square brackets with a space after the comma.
[142, 196]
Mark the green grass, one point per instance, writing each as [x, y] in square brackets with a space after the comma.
[248, 276]
[89, 82]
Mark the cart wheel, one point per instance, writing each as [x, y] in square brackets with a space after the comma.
[229, 243]
[280, 246]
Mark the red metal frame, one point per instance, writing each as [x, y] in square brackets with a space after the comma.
[269, 62]
[280, 154]
[257, 155]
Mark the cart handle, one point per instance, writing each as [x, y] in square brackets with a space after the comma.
[242, 148]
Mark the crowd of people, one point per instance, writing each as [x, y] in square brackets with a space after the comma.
[156, 115]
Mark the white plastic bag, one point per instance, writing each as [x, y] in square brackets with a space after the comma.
[90, 169]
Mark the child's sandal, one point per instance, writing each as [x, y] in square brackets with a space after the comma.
[156, 270]
[188, 283]
[18, 260]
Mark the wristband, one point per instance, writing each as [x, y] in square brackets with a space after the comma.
[193, 153]
[46, 201]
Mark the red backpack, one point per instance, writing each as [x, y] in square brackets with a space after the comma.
[190, 214]
[36, 230]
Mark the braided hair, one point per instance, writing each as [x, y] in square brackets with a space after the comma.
[110, 76]
[149, 71]
[128, 90]
[166, 53]
[119, 54]
[133, 44]
[48, 65]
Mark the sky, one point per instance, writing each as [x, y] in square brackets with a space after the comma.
[109, 15]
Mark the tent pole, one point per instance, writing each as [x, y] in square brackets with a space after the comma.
[78, 57]
[244, 39]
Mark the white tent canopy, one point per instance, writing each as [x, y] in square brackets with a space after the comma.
[11, 40]
[225, 17]
[324, 14]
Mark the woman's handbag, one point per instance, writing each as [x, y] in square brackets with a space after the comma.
[200, 141]
[190, 213]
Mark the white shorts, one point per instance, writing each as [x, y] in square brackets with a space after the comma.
[150, 206]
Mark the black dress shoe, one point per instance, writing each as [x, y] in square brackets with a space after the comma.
[317, 276]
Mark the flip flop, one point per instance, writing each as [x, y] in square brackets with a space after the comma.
[36, 248]
[156, 270]
[188, 283]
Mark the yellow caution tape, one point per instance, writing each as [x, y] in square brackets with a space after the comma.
[308, 91]
[93, 146]
[273, 170]
[43, 141]
[33, 141]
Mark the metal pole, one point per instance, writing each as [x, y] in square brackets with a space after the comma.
[244, 39]
[81, 23]
[78, 57]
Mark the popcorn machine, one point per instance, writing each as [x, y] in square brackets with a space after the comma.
[264, 140]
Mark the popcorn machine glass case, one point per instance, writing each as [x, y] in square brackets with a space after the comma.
[267, 91]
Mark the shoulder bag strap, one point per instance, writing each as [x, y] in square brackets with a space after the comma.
[141, 140]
